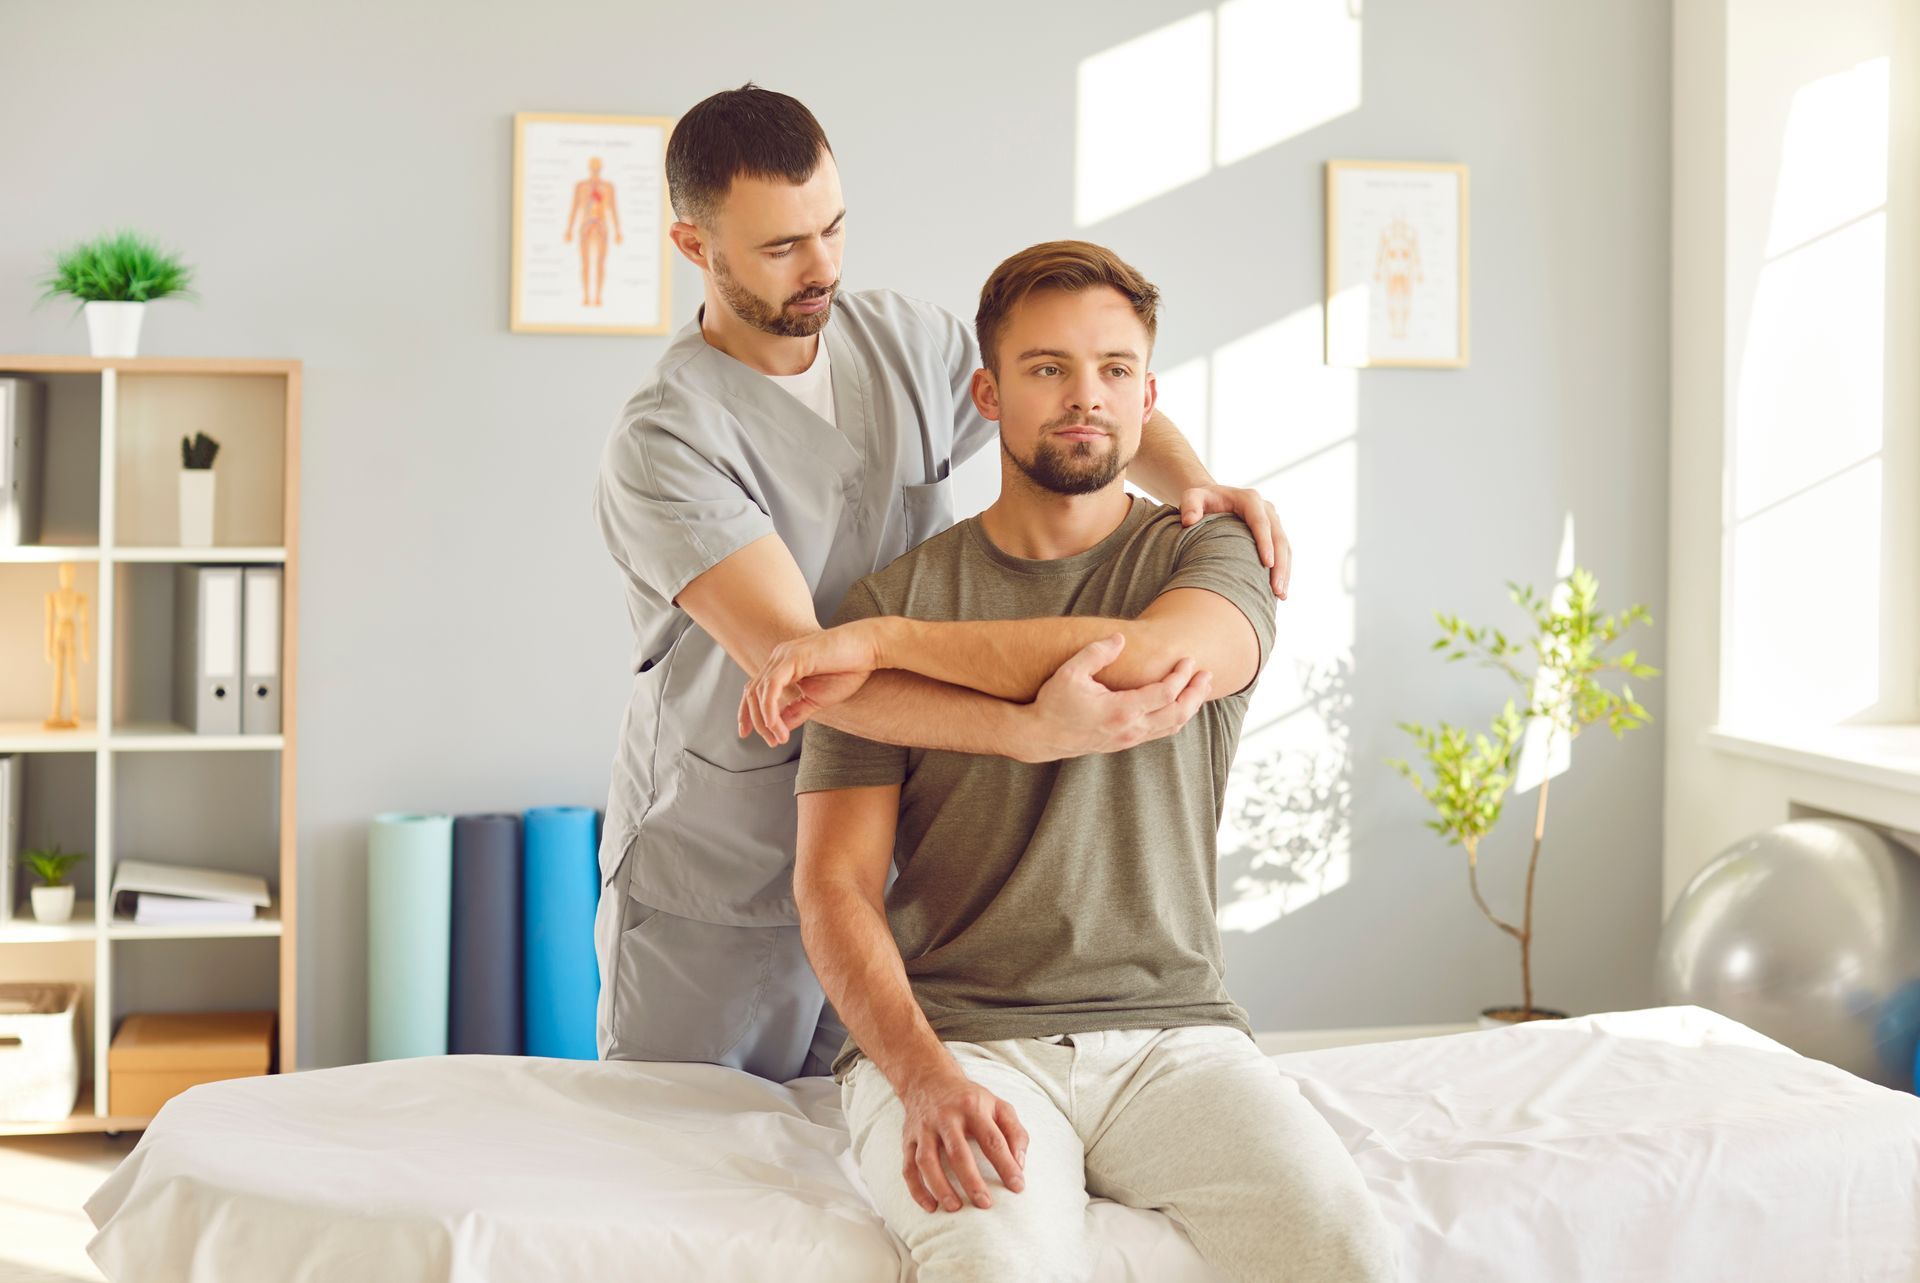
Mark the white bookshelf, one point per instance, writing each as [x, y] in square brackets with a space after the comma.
[125, 417]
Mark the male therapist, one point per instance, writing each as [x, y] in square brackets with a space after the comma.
[793, 438]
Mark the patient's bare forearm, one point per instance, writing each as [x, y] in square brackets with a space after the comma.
[1013, 658]
[896, 707]
[853, 953]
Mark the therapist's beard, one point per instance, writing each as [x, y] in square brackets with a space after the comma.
[755, 311]
[1078, 467]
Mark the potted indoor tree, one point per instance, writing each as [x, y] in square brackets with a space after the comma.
[53, 898]
[1473, 772]
[115, 277]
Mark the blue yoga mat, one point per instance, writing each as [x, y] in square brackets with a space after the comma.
[486, 1005]
[562, 892]
[409, 903]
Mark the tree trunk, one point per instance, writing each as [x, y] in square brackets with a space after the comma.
[1526, 934]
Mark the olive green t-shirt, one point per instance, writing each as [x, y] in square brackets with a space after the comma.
[1058, 897]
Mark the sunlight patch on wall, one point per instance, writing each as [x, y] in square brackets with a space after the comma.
[1165, 108]
[1276, 417]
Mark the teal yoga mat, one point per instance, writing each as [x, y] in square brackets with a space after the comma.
[562, 892]
[409, 929]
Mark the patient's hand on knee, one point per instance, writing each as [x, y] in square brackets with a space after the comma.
[944, 1109]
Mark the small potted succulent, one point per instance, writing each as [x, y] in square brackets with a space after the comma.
[196, 490]
[53, 898]
[115, 277]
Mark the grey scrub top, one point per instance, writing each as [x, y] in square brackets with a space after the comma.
[708, 456]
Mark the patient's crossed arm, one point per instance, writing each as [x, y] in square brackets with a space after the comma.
[1009, 659]
[756, 598]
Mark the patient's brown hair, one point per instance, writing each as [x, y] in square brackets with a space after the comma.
[1057, 265]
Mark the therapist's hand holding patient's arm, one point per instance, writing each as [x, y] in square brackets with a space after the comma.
[1167, 468]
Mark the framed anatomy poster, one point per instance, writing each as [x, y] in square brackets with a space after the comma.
[589, 224]
[1396, 263]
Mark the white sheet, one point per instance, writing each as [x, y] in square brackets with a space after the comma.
[1670, 1143]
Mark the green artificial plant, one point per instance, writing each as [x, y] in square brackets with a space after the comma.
[51, 864]
[1472, 772]
[118, 268]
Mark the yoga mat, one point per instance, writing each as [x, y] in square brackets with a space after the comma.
[484, 1017]
[409, 904]
[563, 889]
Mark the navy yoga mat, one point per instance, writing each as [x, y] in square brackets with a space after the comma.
[486, 1005]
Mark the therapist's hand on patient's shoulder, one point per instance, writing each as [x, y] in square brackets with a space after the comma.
[1262, 518]
[945, 1109]
[808, 673]
[1074, 714]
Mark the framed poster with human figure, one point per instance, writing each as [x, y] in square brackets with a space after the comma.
[1396, 263]
[589, 224]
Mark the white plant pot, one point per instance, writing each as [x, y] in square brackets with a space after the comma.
[114, 328]
[53, 904]
[196, 507]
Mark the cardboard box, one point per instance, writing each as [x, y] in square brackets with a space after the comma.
[157, 1055]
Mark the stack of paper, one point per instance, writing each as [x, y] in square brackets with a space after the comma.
[165, 894]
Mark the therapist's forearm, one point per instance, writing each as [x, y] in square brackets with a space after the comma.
[854, 954]
[907, 709]
[1013, 658]
[1165, 465]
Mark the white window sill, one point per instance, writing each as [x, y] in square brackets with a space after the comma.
[1884, 756]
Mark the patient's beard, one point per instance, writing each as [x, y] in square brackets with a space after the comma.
[1075, 467]
[758, 313]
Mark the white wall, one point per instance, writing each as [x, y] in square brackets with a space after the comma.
[339, 173]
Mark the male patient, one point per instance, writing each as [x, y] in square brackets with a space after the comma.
[1036, 1003]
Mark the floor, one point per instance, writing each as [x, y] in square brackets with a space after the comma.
[44, 1180]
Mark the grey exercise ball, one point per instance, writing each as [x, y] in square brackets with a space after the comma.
[1810, 933]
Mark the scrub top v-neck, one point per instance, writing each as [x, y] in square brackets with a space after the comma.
[709, 456]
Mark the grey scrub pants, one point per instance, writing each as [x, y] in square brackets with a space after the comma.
[672, 988]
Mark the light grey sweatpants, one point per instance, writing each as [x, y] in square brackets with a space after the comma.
[1192, 1121]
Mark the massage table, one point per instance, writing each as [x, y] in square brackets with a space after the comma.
[1667, 1143]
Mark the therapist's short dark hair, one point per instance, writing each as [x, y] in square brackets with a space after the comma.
[1057, 265]
[749, 130]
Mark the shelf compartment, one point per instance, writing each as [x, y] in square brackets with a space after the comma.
[207, 810]
[26, 679]
[57, 806]
[69, 472]
[146, 606]
[246, 414]
[75, 962]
